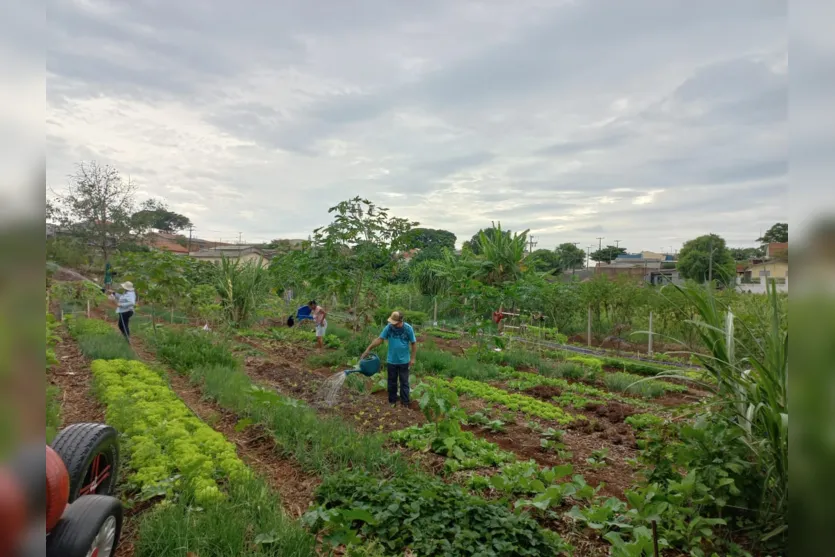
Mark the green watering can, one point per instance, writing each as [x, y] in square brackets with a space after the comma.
[368, 366]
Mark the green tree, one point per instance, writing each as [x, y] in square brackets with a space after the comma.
[155, 214]
[501, 255]
[544, 261]
[746, 254]
[707, 257]
[779, 232]
[96, 207]
[571, 257]
[474, 243]
[357, 247]
[430, 239]
[607, 254]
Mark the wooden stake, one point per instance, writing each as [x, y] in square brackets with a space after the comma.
[649, 349]
[88, 308]
[655, 539]
[435, 313]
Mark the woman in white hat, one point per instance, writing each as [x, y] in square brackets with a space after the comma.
[125, 302]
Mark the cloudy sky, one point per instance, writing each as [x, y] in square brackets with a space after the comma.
[644, 121]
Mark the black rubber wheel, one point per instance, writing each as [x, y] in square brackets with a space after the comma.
[90, 526]
[91, 454]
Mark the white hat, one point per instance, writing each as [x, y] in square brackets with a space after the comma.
[127, 285]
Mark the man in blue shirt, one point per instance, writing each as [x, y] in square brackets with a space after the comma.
[401, 355]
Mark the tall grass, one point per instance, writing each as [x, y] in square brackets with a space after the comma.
[186, 349]
[437, 362]
[751, 391]
[249, 523]
[242, 288]
[97, 340]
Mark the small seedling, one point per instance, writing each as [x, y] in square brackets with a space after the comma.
[598, 458]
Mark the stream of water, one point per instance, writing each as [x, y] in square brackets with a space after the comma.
[332, 386]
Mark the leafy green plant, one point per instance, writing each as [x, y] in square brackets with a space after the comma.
[462, 449]
[425, 515]
[641, 422]
[599, 458]
[752, 391]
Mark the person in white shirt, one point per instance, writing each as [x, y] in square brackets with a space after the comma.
[125, 303]
[320, 320]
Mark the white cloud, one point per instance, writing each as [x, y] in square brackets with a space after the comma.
[454, 113]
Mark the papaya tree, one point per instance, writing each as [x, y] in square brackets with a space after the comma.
[357, 248]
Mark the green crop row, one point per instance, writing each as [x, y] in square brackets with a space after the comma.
[331, 448]
[427, 516]
[462, 449]
[98, 340]
[580, 392]
[525, 404]
[167, 445]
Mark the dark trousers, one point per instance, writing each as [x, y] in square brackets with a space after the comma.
[401, 372]
[124, 323]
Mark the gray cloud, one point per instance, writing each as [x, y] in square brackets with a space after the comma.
[640, 119]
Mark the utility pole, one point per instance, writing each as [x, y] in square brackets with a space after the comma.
[617, 243]
[190, 229]
[600, 243]
[588, 256]
[574, 265]
[710, 262]
[532, 244]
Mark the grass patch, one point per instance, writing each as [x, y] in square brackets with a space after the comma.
[53, 412]
[249, 523]
[185, 349]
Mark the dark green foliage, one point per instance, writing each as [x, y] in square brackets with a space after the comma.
[425, 515]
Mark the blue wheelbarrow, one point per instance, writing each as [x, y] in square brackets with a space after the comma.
[368, 366]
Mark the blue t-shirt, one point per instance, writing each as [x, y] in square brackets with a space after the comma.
[400, 340]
